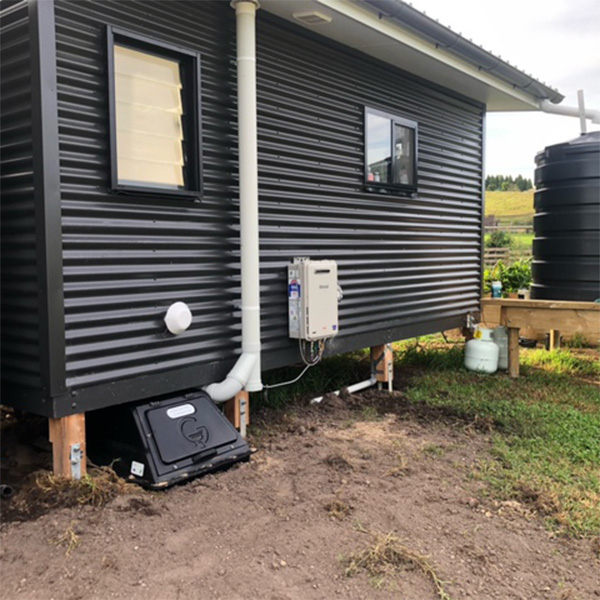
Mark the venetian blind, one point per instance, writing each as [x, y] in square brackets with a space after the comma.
[149, 115]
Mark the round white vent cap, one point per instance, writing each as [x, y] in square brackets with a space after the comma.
[178, 318]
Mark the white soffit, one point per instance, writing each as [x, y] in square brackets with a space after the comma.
[360, 28]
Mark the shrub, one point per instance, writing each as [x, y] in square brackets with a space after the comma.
[499, 239]
[513, 278]
[517, 276]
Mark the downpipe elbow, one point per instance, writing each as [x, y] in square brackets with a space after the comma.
[235, 381]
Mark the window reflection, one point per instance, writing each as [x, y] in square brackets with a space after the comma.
[391, 151]
[379, 150]
[403, 169]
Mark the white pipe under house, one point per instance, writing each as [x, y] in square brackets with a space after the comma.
[356, 387]
[246, 373]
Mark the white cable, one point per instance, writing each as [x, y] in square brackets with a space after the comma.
[308, 364]
[276, 385]
[313, 360]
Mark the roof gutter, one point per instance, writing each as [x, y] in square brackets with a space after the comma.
[446, 39]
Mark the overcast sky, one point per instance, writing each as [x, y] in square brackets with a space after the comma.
[556, 41]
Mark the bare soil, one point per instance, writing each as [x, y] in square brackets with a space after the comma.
[323, 484]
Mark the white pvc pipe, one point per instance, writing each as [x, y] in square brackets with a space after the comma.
[356, 387]
[246, 373]
[235, 380]
[569, 111]
[245, 11]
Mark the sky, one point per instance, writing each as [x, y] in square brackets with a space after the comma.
[556, 41]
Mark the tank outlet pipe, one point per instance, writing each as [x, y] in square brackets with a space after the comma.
[570, 111]
[356, 387]
[246, 373]
[6, 491]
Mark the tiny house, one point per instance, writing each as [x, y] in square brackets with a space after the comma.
[124, 160]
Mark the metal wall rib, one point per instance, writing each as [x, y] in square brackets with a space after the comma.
[20, 328]
[403, 262]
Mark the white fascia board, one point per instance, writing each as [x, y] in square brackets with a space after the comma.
[398, 34]
[357, 27]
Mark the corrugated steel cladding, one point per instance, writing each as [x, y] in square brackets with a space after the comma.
[406, 265]
[20, 327]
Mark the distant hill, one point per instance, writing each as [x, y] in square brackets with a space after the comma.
[510, 207]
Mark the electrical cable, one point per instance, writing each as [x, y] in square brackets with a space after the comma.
[308, 364]
[312, 360]
[276, 385]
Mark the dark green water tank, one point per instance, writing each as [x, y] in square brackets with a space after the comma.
[566, 247]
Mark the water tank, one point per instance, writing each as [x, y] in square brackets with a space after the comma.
[566, 247]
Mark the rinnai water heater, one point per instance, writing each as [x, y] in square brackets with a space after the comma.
[312, 299]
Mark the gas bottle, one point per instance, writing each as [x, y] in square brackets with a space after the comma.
[481, 353]
[500, 336]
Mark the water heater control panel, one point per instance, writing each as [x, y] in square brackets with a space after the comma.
[312, 299]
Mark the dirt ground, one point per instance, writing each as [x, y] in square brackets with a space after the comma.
[323, 483]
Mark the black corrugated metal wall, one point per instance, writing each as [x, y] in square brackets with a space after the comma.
[20, 295]
[127, 259]
[407, 265]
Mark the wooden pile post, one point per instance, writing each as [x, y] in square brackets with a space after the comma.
[67, 435]
[237, 411]
[382, 365]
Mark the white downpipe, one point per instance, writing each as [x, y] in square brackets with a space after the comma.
[246, 373]
[569, 111]
[356, 387]
[248, 163]
[235, 380]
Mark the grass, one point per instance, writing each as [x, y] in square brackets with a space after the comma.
[513, 208]
[329, 375]
[69, 539]
[520, 242]
[43, 491]
[562, 362]
[546, 427]
[385, 556]
[510, 207]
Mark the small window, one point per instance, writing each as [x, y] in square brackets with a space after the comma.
[154, 116]
[391, 152]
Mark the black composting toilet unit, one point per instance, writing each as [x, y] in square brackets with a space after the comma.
[166, 441]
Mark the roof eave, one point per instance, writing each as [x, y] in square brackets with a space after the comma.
[443, 37]
[436, 54]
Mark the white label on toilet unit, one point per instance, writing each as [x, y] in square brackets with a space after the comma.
[137, 468]
[180, 411]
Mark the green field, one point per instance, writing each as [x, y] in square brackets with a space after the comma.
[519, 242]
[510, 207]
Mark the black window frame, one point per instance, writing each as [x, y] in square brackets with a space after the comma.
[190, 63]
[389, 187]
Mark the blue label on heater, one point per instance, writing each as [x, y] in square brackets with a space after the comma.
[294, 289]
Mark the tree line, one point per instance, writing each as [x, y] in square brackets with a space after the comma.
[503, 183]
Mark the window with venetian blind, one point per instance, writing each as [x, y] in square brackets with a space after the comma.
[154, 116]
